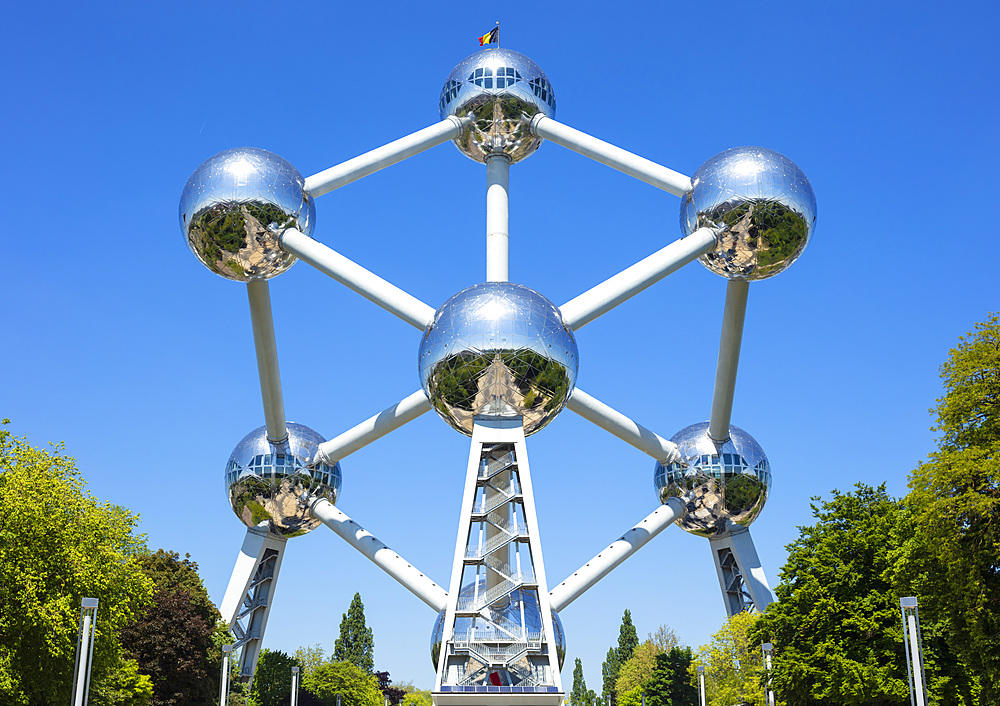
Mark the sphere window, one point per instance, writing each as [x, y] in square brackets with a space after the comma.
[449, 92]
[482, 78]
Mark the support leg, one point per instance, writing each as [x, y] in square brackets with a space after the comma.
[741, 576]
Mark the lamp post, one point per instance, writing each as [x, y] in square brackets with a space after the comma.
[768, 650]
[701, 686]
[84, 651]
[295, 687]
[913, 646]
[224, 677]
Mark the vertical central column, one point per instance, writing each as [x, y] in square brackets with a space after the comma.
[497, 212]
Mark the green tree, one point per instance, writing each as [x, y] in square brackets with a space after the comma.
[951, 560]
[734, 664]
[628, 640]
[272, 679]
[355, 644]
[172, 639]
[309, 659]
[578, 696]
[415, 696]
[59, 544]
[636, 671]
[356, 686]
[670, 683]
[836, 624]
[664, 638]
[609, 674]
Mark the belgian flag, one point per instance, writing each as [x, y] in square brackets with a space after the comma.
[490, 37]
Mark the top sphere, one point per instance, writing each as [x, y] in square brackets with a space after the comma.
[498, 349]
[719, 483]
[502, 90]
[265, 480]
[764, 205]
[234, 208]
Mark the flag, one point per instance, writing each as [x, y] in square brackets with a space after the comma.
[490, 37]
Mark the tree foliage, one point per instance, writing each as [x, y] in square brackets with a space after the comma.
[393, 694]
[272, 679]
[734, 663]
[664, 638]
[59, 544]
[415, 696]
[952, 559]
[356, 643]
[172, 639]
[609, 673]
[355, 686]
[636, 671]
[580, 695]
[628, 640]
[670, 682]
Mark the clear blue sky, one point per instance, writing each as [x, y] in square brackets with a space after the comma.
[118, 342]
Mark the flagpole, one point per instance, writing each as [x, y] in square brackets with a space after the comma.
[498, 34]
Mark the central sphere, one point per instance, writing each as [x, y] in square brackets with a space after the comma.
[502, 91]
[498, 350]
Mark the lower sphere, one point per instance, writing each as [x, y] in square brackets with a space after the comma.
[265, 481]
[720, 483]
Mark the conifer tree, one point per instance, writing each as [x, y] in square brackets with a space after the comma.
[356, 643]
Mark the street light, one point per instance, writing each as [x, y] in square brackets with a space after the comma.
[914, 647]
[701, 682]
[84, 651]
[224, 677]
[768, 650]
[295, 687]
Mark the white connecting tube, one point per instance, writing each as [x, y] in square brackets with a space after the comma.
[497, 218]
[385, 156]
[611, 156]
[389, 419]
[616, 423]
[620, 550]
[381, 555]
[730, 342]
[261, 318]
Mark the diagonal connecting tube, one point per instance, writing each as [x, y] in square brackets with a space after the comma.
[730, 342]
[626, 284]
[385, 156]
[259, 296]
[616, 423]
[617, 552]
[390, 419]
[381, 555]
[611, 156]
[349, 273]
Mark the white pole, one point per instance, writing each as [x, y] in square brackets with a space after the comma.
[497, 218]
[381, 555]
[729, 358]
[609, 155]
[369, 285]
[918, 680]
[620, 550]
[81, 677]
[390, 419]
[295, 687]
[381, 157]
[701, 681]
[259, 295]
[607, 295]
[224, 678]
[616, 423]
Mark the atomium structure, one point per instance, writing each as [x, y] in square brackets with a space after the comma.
[497, 362]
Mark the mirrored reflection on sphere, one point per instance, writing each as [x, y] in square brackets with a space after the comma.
[501, 624]
[764, 205]
[265, 480]
[502, 90]
[719, 483]
[234, 208]
[498, 350]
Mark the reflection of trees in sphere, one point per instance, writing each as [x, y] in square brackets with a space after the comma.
[234, 207]
[498, 349]
[764, 205]
[265, 480]
[502, 626]
[719, 483]
[502, 90]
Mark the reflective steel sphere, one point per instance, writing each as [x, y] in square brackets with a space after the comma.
[720, 483]
[501, 623]
[234, 207]
[498, 349]
[264, 480]
[502, 90]
[764, 204]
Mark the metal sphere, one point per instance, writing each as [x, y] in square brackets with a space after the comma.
[265, 480]
[498, 349]
[502, 90]
[234, 208]
[507, 613]
[720, 483]
[764, 206]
